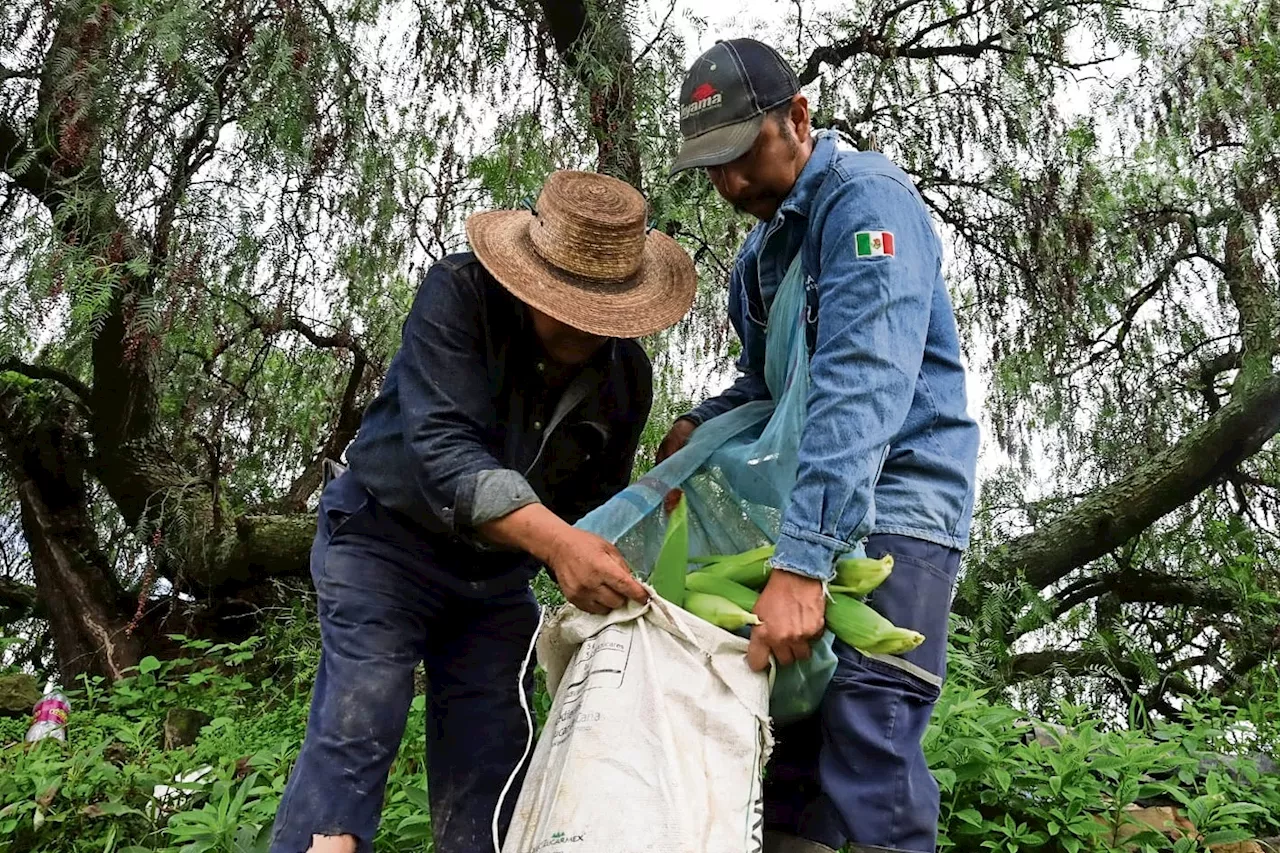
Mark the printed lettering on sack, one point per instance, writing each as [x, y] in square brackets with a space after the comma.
[602, 661]
[557, 839]
[570, 720]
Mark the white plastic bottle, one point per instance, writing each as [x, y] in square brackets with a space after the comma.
[50, 716]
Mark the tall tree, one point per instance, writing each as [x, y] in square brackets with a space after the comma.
[214, 216]
[172, 173]
[1116, 271]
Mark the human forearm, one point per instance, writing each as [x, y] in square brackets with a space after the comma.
[533, 529]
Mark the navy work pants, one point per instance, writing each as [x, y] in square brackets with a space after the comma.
[855, 772]
[384, 606]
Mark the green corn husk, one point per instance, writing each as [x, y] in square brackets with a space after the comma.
[860, 575]
[719, 611]
[712, 584]
[855, 623]
[746, 556]
[751, 568]
[667, 577]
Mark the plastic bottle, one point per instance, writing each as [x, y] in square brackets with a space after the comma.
[50, 716]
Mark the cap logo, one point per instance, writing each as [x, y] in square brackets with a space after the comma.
[705, 97]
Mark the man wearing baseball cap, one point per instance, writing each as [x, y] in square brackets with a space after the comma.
[514, 405]
[887, 454]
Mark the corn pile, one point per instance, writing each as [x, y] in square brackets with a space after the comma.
[725, 588]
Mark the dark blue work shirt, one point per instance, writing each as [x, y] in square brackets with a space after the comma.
[474, 420]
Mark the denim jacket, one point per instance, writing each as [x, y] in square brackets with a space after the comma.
[473, 421]
[888, 445]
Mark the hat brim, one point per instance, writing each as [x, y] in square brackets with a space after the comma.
[719, 146]
[655, 298]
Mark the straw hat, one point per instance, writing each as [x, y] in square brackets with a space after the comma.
[586, 258]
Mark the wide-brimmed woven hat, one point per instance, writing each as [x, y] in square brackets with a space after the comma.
[586, 257]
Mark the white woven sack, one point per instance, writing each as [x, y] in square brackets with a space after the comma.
[656, 741]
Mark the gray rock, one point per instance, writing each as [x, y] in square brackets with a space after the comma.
[19, 693]
[182, 727]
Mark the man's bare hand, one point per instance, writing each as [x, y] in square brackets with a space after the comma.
[677, 437]
[592, 573]
[791, 610]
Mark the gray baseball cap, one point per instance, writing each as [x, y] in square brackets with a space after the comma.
[724, 99]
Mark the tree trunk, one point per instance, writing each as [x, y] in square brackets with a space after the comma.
[75, 588]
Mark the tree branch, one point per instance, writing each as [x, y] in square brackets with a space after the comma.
[347, 423]
[1077, 663]
[349, 409]
[265, 546]
[341, 340]
[1247, 663]
[1116, 513]
[26, 168]
[19, 74]
[35, 371]
[17, 601]
[657, 36]
[1141, 587]
[1255, 302]
[1210, 369]
[591, 37]
[873, 44]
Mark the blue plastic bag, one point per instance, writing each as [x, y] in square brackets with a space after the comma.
[736, 473]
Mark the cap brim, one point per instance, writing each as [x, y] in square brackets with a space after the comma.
[719, 146]
[656, 297]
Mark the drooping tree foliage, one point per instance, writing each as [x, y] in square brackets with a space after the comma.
[213, 217]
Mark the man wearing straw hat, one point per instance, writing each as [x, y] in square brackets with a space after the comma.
[513, 406]
[887, 454]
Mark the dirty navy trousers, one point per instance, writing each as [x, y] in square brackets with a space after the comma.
[383, 607]
[855, 772]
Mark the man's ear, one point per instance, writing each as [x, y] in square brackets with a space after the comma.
[800, 118]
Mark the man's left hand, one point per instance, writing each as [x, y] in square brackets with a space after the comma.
[791, 610]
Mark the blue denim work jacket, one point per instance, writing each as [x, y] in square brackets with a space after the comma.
[474, 421]
[888, 445]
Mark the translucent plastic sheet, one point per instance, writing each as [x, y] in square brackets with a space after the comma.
[736, 473]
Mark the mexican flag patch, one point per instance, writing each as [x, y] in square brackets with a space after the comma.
[873, 243]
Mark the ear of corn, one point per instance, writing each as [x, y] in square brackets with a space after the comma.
[719, 611]
[763, 552]
[667, 577]
[855, 623]
[724, 593]
[860, 575]
[750, 573]
[723, 587]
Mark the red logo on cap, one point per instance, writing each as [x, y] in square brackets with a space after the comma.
[706, 90]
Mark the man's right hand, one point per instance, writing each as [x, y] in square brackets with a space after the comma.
[592, 573]
[677, 437]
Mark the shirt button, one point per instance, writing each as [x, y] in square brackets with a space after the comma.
[541, 367]
[537, 424]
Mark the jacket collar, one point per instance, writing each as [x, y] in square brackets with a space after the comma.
[801, 197]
